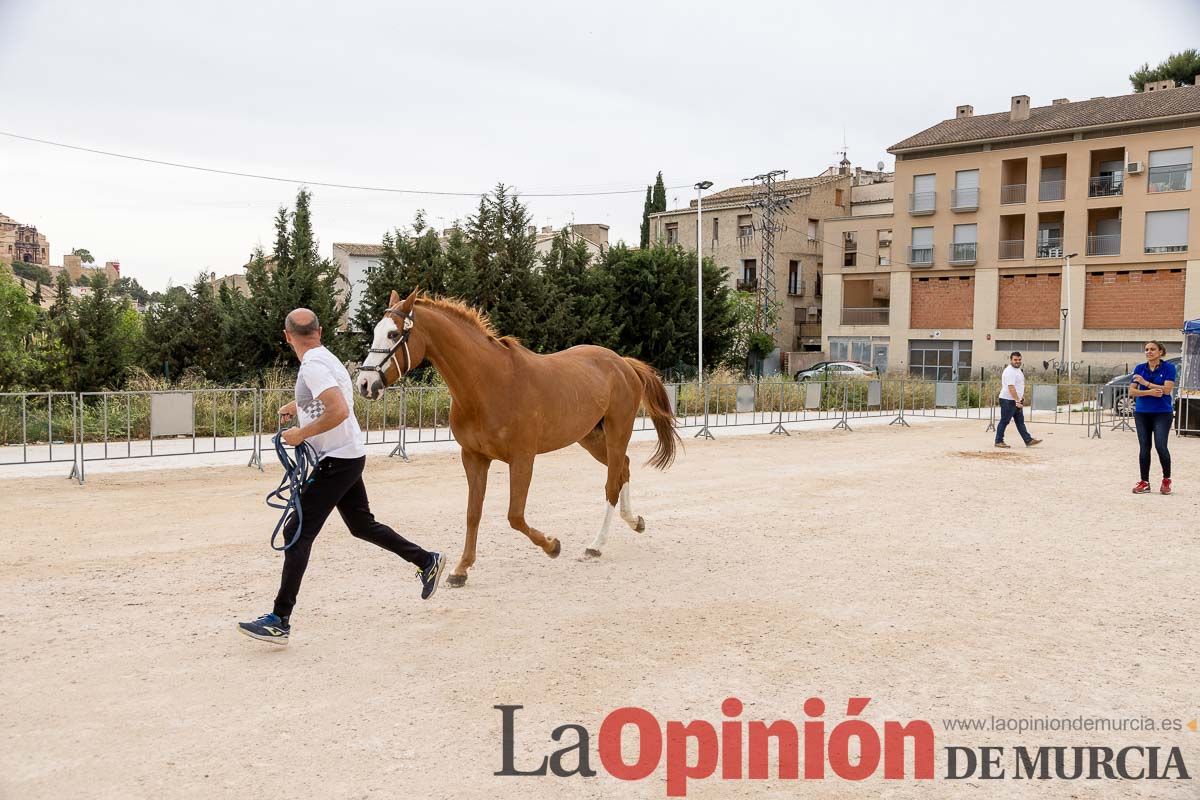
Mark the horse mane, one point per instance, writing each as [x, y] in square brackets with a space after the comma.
[471, 315]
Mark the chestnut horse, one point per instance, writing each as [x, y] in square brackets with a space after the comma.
[510, 404]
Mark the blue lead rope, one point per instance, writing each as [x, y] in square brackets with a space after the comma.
[295, 478]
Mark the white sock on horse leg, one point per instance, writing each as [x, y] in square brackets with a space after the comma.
[602, 536]
[627, 506]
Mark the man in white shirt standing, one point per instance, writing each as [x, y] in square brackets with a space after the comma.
[1012, 402]
[323, 406]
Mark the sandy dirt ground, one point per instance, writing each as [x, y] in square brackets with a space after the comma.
[920, 568]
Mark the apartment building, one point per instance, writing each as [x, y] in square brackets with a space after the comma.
[973, 260]
[731, 236]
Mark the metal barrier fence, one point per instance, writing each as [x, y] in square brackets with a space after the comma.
[127, 425]
[93, 426]
[39, 428]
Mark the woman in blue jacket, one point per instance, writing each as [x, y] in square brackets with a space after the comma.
[1152, 384]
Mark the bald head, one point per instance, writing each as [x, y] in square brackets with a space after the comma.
[302, 322]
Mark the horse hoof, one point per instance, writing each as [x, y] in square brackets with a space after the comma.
[456, 581]
[641, 525]
[590, 553]
[553, 553]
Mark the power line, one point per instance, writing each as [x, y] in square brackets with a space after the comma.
[325, 184]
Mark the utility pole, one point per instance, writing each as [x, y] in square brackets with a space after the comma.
[770, 205]
[704, 432]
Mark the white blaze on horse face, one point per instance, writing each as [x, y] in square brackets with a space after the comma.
[371, 383]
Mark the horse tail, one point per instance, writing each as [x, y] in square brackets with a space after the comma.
[658, 406]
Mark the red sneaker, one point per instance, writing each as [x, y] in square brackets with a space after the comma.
[1141, 487]
[1166, 486]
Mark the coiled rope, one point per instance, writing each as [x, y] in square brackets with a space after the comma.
[295, 478]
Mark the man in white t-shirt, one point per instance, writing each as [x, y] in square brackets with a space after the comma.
[1012, 402]
[324, 409]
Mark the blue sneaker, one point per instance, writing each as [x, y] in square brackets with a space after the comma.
[267, 628]
[430, 577]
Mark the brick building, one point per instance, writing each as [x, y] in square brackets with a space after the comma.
[1009, 219]
[731, 236]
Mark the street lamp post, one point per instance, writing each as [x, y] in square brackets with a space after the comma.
[704, 432]
[1066, 312]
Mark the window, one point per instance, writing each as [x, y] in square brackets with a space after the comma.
[923, 196]
[839, 197]
[849, 248]
[865, 350]
[817, 284]
[1170, 170]
[749, 281]
[745, 226]
[1124, 347]
[672, 233]
[1166, 231]
[966, 189]
[962, 251]
[794, 287]
[813, 235]
[922, 246]
[716, 232]
[1026, 346]
[883, 244]
[940, 359]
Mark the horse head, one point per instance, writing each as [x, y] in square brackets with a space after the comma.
[397, 347]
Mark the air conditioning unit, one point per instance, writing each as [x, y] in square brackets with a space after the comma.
[812, 311]
[1134, 167]
[885, 242]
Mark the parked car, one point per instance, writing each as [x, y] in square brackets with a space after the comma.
[1115, 394]
[827, 370]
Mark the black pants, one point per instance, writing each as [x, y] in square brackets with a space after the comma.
[338, 484]
[1009, 411]
[1154, 425]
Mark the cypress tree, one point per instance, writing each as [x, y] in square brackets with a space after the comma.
[660, 194]
[647, 207]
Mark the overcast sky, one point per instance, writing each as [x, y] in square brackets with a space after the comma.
[455, 96]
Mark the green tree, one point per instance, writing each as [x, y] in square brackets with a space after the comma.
[31, 272]
[578, 297]
[106, 339]
[647, 207]
[660, 194]
[18, 321]
[1181, 68]
[37, 298]
[129, 287]
[295, 276]
[84, 255]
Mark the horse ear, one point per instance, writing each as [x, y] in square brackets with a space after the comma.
[411, 299]
[394, 300]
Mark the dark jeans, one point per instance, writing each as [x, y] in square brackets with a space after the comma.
[1154, 425]
[1009, 411]
[338, 484]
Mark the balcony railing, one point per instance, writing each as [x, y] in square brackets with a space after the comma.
[922, 203]
[747, 284]
[1050, 248]
[1052, 190]
[865, 316]
[1105, 245]
[810, 330]
[1106, 185]
[964, 199]
[1175, 178]
[920, 256]
[1012, 248]
[1012, 193]
[1167, 248]
[963, 252]
[850, 245]
[795, 289]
